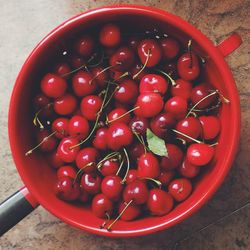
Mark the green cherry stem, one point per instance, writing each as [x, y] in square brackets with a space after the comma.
[157, 182]
[190, 53]
[173, 83]
[101, 72]
[128, 166]
[120, 167]
[144, 65]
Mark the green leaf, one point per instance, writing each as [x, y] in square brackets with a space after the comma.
[156, 144]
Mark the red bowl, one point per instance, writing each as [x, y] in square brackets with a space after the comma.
[38, 177]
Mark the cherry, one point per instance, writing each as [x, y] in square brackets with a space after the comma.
[100, 75]
[149, 51]
[84, 196]
[67, 150]
[119, 135]
[66, 170]
[109, 167]
[171, 69]
[61, 126]
[110, 35]
[91, 183]
[127, 92]
[90, 106]
[180, 189]
[200, 154]
[54, 160]
[136, 191]
[166, 176]
[148, 166]
[78, 126]
[170, 48]
[48, 143]
[100, 140]
[76, 61]
[139, 125]
[40, 101]
[65, 105]
[130, 213]
[159, 202]
[112, 187]
[86, 159]
[85, 45]
[177, 106]
[83, 84]
[153, 83]
[132, 175]
[118, 115]
[136, 150]
[123, 59]
[62, 69]
[210, 126]
[188, 170]
[182, 89]
[150, 104]
[189, 126]
[161, 123]
[66, 189]
[174, 158]
[138, 68]
[102, 206]
[53, 85]
[133, 42]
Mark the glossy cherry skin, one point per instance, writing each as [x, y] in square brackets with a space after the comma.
[64, 150]
[210, 126]
[40, 101]
[53, 85]
[109, 167]
[101, 206]
[166, 176]
[100, 140]
[110, 35]
[161, 123]
[62, 69]
[139, 125]
[136, 191]
[188, 170]
[54, 160]
[136, 150]
[83, 84]
[100, 76]
[113, 116]
[65, 105]
[180, 189]
[61, 126]
[153, 83]
[159, 202]
[78, 126]
[90, 106]
[85, 45]
[132, 175]
[189, 126]
[49, 142]
[91, 183]
[123, 59]
[119, 135]
[182, 88]
[112, 187]
[84, 196]
[200, 154]
[66, 170]
[149, 48]
[150, 104]
[177, 106]
[148, 166]
[170, 48]
[86, 156]
[66, 189]
[174, 159]
[188, 69]
[127, 92]
[131, 212]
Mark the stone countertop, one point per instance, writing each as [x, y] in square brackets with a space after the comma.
[24, 23]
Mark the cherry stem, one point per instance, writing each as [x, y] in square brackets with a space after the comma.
[98, 63]
[75, 70]
[123, 75]
[102, 71]
[168, 76]
[36, 119]
[209, 109]
[157, 182]
[144, 65]
[141, 140]
[106, 221]
[111, 96]
[109, 156]
[118, 217]
[38, 145]
[190, 53]
[81, 170]
[128, 166]
[214, 144]
[120, 167]
[182, 141]
[191, 138]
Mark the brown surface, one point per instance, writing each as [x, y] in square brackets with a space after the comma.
[23, 24]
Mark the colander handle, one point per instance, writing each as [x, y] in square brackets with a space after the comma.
[230, 44]
[15, 208]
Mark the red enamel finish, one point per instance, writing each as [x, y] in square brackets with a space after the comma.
[30, 168]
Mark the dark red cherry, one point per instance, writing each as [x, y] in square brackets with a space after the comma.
[62, 69]
[54, 160]
[139, 125]
[78, 126]
[131, 212]
[40, 101]
[132, 175]
[113, 116]
[61, 126]
[210, 126]
[133, 42]
[136, 69]
[48, 142]
[171, 69]
[65, 105]
[110, 35]
[91, 183]
[85, 45]
[102, 206]
[170, 48]
[90, 106]
[148, 166]
[182, 89]
[109, 167]
[177, 106]
[66, 170]
[100, 76]
[112, 187]
[166, 176]
[76, 61]
[100, 140]
[136, 150]
[84, 196]
[188, 170]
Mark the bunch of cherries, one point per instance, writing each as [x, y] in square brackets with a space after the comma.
[97, 107]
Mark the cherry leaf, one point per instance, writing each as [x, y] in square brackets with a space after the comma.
[156, 144]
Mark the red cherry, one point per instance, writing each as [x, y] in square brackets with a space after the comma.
[76, 61]
[62, 69]
[78, 126]
[170, 48]
[100, 140]
[100, 76]
[65, 105]
[177, 106]
[84, 196]
[159, 202]
[109, 167]
[61, 126]
[90, 106]
[148, 166]
[139, 125]
[83, 84]
[210, 126]
[153, 83]
[85, 45]
[180, 189]
[174, 158]
[66, 170]
[54, 160]
[48, 142]
[200, 154]
[67, 150]
[53, 86]
[110, 35]
[131, 212]
[150, 104]
[182, 89]
[150, 49]
[188, 170]
[136, 151]
[119, 135]
[136, 69]
[112, 187]
[113, 116]
[131, 176]
[91, 183]
[166, 176]
[40, 101]
[101, 206]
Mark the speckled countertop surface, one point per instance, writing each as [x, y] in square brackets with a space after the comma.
[24, 23]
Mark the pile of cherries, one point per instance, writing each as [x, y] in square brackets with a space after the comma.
[103, 97]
